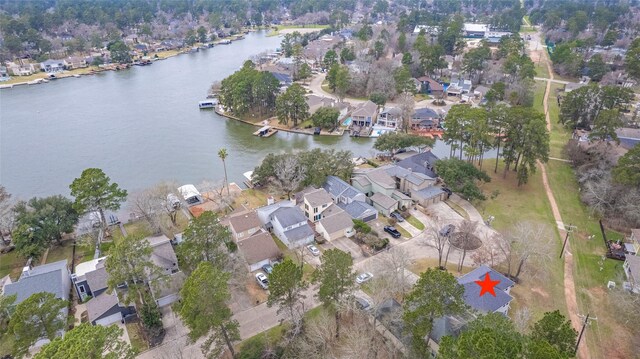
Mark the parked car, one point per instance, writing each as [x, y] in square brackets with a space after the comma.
[314, 250]
[447, 191]
[447, 230]
[397, 216]
[392, 231]
[267, 268]
[262, 280]
[361, 278]
[362, 303]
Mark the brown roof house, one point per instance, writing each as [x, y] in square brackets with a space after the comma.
[258, 250]
[244, 225]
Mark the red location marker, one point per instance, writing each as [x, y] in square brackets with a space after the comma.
[487, 285]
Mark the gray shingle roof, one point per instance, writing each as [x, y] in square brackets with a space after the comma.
[163, 254]
[336, 222]
[427, 193]
[242, 222]
[337, 187]
[366, 109]
[298, 233]
[48, 278]
[422, 163]
[259, 247]
[318, 198]
[97, 279]
[425, 113]
[479, 274]
[383, 200]
[99, 305]
[358, 210]
[486, 303]
[288, 216]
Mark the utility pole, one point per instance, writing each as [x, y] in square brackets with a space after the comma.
[570, 228]
[584, 326]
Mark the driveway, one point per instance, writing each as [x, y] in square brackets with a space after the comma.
[348, 246]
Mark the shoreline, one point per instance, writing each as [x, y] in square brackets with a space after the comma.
[285, 129]
[91, 70]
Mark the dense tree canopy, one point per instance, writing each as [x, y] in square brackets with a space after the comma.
[325, 117]
[205, 239]
[581, 107]
[395, 141]
[627, 171]
[94, 191]
[88, 341]
[462, 177]
[291, 106]
[249, 91]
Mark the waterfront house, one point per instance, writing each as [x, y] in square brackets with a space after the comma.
[90, 278]
[52, 66]
[75, 62]
[167, 291]
[364, 114]
[106, 309]
[349, 199]
[21, 68]
[258, 250]
[390, 117]
[316, 102]
[244, 225]
[162, 254]
[487, 303]
[425, 119]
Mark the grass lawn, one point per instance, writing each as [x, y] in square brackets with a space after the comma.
[275, 31]
[387, 221]
[415, 222]
[139, 227]
[421, 265]
[6, 345]
[559, 135]
[527, 203]
[254, 346]
[251, 198]
[541, 70]
[138, 343]
[11, 263]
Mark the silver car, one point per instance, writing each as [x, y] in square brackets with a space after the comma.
[361, 278]
[314, 250]
[262, 280]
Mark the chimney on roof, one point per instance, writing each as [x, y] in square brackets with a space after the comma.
[26, 270]
[270, 200]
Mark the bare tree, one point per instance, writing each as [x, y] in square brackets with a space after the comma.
[215, 191]
[465, 239]
[318, 341]
[487, 253]
[289, 174]
[7, 215]
[437, 240]
[394, 265]
[143, 204]
[524, 241]
[521, 319]
[407, 107]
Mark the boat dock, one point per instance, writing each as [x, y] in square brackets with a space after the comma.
[266, 131]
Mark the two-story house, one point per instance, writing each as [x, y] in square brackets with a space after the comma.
[315, 202]
[633, 244]
[351, 200]
[364, 114]
[244, 225]
[389, 183]
[390, 117]
[487, 303]
[287, 222]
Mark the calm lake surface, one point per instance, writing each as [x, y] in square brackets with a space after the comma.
[140, 126]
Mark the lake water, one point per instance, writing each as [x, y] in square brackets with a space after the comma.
[140, 126]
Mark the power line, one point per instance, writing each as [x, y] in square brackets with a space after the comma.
[584, 326]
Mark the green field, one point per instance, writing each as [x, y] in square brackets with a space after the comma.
[416, 223]
[275, 31]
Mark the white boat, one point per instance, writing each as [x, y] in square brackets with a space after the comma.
[209, 103]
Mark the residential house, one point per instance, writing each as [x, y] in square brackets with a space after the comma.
[480, 92]
[459, 87]
[425, 118]
[75, 62]
[51, 278]
[398, 183]
[287, 222]
[431, 87]
[390, 117]
[162, 254]
[21, 68]
[316, 102]
[349, 199]
[316, 49]
[90, 278]
[383, 203]
[244, 225]
[423, 162]
[315, 202]
[487, 303]
[284, 79]
[258, 250]
[429, 30]
[475, 30]
[364, 115]
[52, 66]
[167, 291]
[632, 271]
[4, 73]
[106, 309]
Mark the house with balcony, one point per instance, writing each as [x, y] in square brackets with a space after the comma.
[363, 117]
[331, 221]
[349, 199]
[390, 117]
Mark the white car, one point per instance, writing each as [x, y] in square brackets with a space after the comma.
[314, 250]
[262, 280]
[361, 278]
